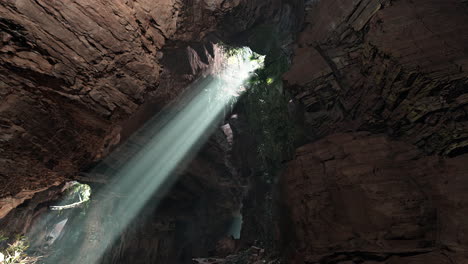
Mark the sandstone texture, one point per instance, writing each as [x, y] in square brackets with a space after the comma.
[382, 86]
[362, 197]
[394, 67]
[77, 78]
[73, 72]
[70, 72]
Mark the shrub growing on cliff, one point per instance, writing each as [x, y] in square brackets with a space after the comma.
[15, 253]
[265, 106]
[76, 195]
[267, 114]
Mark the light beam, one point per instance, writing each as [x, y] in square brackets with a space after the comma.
[174, 141]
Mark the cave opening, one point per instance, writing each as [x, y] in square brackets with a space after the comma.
[163, 147]
[242, 95]
[229, 132]
[135, 184]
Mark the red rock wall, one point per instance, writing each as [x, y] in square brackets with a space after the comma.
[363, 197]
[72, 73]
[395, 67]
[77, 77]
[394, 192]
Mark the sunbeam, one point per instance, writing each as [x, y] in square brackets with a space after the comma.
[173, 141]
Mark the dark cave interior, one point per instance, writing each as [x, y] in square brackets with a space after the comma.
[233, 132]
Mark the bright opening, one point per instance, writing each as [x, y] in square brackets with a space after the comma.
[172, 141]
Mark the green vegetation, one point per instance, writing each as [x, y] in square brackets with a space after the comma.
[76, 195]
[3, 237]
[266, 104]
[267, 114]
[230, 51]
[15, 253]
[266, 109]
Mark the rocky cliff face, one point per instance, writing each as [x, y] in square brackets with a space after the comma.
[73, 72]
[379, 87]
[397, 67]
[395, 70]
[78, 77]
[364, 198]
[69, 73]
[189, 221]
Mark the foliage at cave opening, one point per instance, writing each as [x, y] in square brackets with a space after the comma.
[16, 252]
[267, 107]
[76, 195]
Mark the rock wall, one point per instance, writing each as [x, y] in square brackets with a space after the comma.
[382, 86]
[72, 72]
[362, 197]
[177, 224]
[79, 77]
[190, 219]
[395, 67]
[76, 77]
